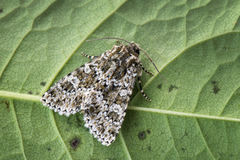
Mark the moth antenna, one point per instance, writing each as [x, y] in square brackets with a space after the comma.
[153, 63]
[109, 38]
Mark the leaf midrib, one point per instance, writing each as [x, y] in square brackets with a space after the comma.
[36, 98]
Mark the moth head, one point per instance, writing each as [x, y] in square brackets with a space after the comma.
[135, 47]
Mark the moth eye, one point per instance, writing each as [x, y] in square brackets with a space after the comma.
[137, 51]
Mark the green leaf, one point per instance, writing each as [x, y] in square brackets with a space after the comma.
[195, 44]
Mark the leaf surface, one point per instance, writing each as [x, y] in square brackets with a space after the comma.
[195, 44]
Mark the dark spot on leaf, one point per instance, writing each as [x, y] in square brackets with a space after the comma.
[142, 135]
[37, 93]
[216, 89]
[183, 149]
[172, 87]
[7, 103]
[74, 143]
[185, 135]
[30, 92]
[159, 86]
[43, 83]
[1, 10]
[214, 82]
[148, 131]
[49, 149]
[169, 139]
[150, 148]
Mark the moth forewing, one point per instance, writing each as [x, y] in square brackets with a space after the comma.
[101, 89]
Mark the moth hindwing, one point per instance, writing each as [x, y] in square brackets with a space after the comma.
[101, 88]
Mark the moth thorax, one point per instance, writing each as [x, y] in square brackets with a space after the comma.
[135, 47]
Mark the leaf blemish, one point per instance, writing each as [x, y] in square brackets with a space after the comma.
[30, 92]
[172, 87]
[7, 103]
[214, 82]
[216, 89]
[75, 142]
[150, 148]
[43, 83]
[1, 10]
[142, 135]
[148, 131]
[159, 86]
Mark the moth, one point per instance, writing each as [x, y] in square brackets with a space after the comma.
[101, 89]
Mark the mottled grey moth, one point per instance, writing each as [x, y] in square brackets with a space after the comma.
[101, 88]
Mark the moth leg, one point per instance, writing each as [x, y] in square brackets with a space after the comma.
[146, 70]
[140, 85]
[144, 95]
[88, 56]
